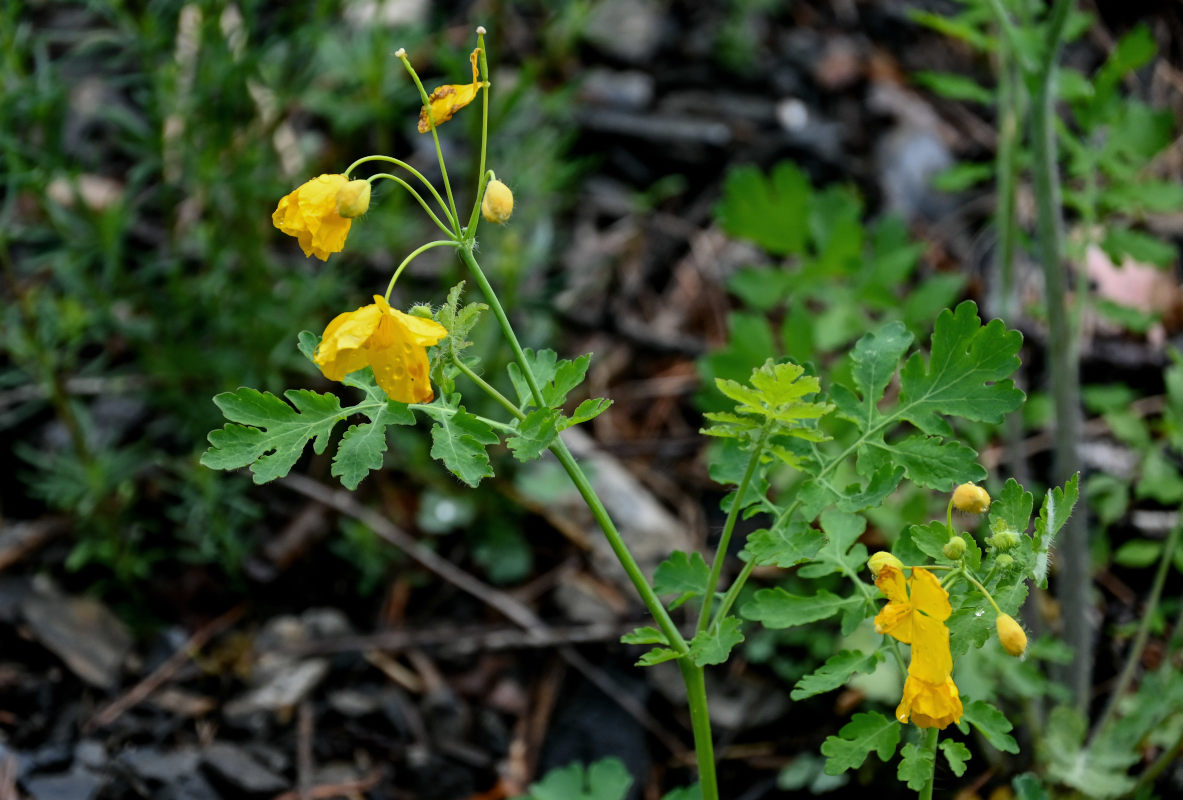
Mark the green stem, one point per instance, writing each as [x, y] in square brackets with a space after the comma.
[416, 195]
[408, 168]
[704, 616]
[965, 574]
[411, 257]
[435, 137]
[1134, 657]
[949, 518]
[482, 177]
[488, 388]
[931, 736]
[700, 724]
[734, 590]
[1073, 586]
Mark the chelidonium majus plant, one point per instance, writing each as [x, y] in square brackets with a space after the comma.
[850, 445]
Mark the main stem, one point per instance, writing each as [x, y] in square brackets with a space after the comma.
[931, 735]
[692, 675]
[1073, 586]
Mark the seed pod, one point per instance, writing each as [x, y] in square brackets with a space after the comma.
[353, 199]
[954, 548]
[971, 498]
[1011, 635]
[881, 559]
[498, 203]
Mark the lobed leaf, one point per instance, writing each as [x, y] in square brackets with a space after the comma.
[459, 440]
[714, 645]
[866, 733]
[837, 670]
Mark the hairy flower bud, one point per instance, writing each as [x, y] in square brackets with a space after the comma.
[1005, 562]
[353, 199]
[954, 548]
[881, 559]
[1005, 540]
[498, 203]
[1011, 635]
[971, 498]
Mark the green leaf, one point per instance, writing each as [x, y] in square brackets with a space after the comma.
[1011, 509]
[956, 754]
[839, 553]
[774, 400]
[916, 766]
[954, 87]
[714, 645]
[363, 446]
[837, 670]
[1138, 553]
[1120, 243]
[992, 724]
[771, 212]
[459, 440]
[1132, 51]
[459, 322]
[657, 655]
[934, 463]
[645, 635]
[866, 733]
[761, 288]
[965, 375]
[962, 176]
[1098, 771]
[785, 545]
[555, 377]
[685, 575]
[776, 608]
[1160, 480]
[534, 434]
[607, 779]
[882, 483]
[271, 426]
[875, 359]
[1028, 787]
[1057, 506]
[587, 410]
[691, 792]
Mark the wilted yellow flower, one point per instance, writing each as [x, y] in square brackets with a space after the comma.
[310, 214]
[497, 204]
[929, 705]
[1011, 634]
[972, 498]
[393, 343]
[447, 100]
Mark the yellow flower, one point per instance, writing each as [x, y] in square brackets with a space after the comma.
[447, 100]
[1011, 634]
[917, 617]
[929, 705]
[972, 498]
[393, 343]
[310, 214]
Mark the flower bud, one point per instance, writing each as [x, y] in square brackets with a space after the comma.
[1005, 540]
[954, 548]
[1005, 562]
[881, 559]
[971, 498]
[498, 203]
[1011, 635]
[353, 199]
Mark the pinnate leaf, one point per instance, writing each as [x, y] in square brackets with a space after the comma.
[785, 545]
[776, 608]
[772, 212]
[1053, 514]
[837, 670]
[866, 733]
[956, 754]
[992, 724]
[916, 766]
[714, 645]
[459, 440]
[534, 434]
[683, 574]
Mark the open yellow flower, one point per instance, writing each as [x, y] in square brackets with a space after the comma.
[310, 214]
[915, 615]
[929, 705]
[447, 100]
[394, 344]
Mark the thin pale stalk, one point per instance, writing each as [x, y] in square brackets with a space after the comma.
[408, 168]
[488, 389]
[435, 137]
[481, 176]
[447, 231]
[1073, 586]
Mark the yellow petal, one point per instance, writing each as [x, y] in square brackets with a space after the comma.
[930, 705]
[310, 214]
[931, 658]
[344, 347]
[447, 100]
[890, 581]
[928, 595]
[401, 371]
